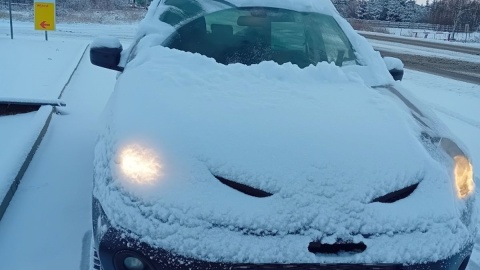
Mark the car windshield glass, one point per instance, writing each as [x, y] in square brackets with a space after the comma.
[253, 35]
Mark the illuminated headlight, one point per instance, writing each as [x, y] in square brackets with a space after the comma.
[463, 176]
[139, 164]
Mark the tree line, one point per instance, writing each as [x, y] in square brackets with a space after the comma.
[444, 12]
[85, 4]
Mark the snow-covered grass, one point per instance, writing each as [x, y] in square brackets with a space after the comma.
[423, 51]
[397, 34]
[436, 35]
[36, 69]
[82, 33]
[122, 16]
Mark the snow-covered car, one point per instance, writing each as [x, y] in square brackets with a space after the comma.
[268, 134]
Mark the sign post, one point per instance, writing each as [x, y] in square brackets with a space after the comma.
[10, 12]
[467, 31]
[44, 11]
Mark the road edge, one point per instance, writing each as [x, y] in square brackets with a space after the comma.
[18, 178]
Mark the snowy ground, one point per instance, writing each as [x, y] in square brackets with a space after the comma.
[46, 221]
[45, 225]
[41, 71]
[77, 32]
[473, 39]
[418, 50]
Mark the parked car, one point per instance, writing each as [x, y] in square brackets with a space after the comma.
[250, 134]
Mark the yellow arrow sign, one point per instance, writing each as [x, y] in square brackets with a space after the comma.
[44, 16]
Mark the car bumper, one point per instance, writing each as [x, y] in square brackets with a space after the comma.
[114, 247]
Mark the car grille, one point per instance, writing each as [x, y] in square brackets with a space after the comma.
[316, 267]
[96, 261]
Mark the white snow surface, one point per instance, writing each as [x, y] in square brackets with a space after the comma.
[106, 41]
[18, 135]
[318, 138]
[393, 63]
[423, 51]
[8, 173]
[432, 36]
[37, 69]
[152, 32]
[39, 101]
[51, 210]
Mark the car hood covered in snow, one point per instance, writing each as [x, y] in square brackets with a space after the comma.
[321, 141]
[153, 31]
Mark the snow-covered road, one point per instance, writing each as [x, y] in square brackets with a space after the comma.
[50, 212]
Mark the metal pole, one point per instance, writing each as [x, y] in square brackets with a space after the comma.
[46, 36]
[11, 24]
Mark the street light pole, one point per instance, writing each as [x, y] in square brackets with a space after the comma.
[11, 24]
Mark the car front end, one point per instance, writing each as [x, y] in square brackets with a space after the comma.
[267, 165]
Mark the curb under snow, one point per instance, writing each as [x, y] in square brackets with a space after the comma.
[43, 116]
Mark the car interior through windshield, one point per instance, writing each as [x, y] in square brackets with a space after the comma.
[253, 35]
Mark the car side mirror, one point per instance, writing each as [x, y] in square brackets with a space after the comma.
[105, 52]
[395, 67]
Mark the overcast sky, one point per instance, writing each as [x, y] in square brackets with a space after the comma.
[421, 2]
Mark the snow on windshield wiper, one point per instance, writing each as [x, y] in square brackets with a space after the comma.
[225, 3]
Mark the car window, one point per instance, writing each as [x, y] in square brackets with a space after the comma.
[180, 10]
[252, 35]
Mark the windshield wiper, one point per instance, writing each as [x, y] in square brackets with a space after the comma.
[225, 3]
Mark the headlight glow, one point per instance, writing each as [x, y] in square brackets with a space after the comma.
[463, 176]
[140, 164]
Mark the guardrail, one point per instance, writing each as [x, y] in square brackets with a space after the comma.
[410, 25]
[16, 6]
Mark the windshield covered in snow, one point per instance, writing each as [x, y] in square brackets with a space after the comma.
[256, 34]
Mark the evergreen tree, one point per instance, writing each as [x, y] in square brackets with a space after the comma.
[395, 10]
[377, 9]
[362, 11]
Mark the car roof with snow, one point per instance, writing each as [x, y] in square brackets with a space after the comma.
[177, 11]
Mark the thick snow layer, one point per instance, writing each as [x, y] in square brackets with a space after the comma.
[37, 69]
[69, 32]
[51, 210]
[454, 102]
[17, 136]
[152, 32]
[393, 63]
[38, 101]
[423, 51]
[54, 197]
[432, 36]
[322, 141]
[106, 42]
